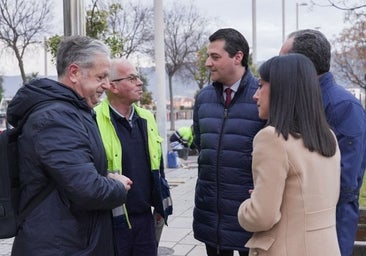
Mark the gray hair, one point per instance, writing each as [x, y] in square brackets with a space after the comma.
[80, 50]
[116, 64]
[314, 45]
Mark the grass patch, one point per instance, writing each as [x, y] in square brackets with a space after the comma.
[362, 199]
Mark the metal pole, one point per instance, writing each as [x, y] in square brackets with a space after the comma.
[283, 21]
[45, 56]
[297, 13]
[160, 72]
[80, 17]
[67, 18]
[74, 17]
[297, 16]
[254, 24]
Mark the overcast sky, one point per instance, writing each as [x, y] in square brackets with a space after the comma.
[226, 13]
[238, 14]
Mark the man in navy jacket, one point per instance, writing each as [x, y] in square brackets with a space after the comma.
[60, 144]
[347, 118]
[224, 133]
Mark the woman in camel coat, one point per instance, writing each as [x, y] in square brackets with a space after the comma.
[296, 166]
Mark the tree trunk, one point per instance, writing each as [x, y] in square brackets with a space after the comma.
[20, 64]
[172, 115]
[21, 68]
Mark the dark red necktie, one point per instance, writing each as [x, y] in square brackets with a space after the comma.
[228, 97]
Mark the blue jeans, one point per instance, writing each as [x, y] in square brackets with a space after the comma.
[140, 240]
[347, 220]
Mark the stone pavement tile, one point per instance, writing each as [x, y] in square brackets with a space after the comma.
[166, 248]
[165, 251]
[178, 236]
[179, 176]
[183, 200]
[188, 213]
[181, 222]
[179, 208]
[174, 234]
[182, 249]
[5, 246]
[167, 244]
[189, 239]
[183, 192]
[198, 251]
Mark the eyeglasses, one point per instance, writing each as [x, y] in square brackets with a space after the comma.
[131, 78]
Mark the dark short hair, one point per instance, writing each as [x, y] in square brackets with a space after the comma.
[314, 45]
[295, 102]
[234, 42]
[80, 50]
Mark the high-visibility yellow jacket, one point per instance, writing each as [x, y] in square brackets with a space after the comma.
[113, 148]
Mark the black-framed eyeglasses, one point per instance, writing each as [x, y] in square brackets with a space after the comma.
[131, 78]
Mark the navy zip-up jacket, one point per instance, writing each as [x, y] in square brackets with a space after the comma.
[224, 138]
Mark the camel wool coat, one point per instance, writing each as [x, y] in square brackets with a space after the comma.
[292, 209]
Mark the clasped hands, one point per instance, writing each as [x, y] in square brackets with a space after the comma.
[127, 182]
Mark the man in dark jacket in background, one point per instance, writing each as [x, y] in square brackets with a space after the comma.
[60, 144]
[347, 118]
[225, 122]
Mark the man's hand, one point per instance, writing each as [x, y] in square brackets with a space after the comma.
[121, 178]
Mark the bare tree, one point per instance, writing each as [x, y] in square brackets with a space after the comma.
[339, 4]
[198, 69]
[185, 34]
[1, 86]
[127, 28]
[132, 22]
[350, 51]
[23, 23]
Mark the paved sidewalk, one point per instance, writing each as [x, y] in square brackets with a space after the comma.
[5, 246]
[177, 238]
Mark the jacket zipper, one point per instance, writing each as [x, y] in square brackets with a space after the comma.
[217, 179]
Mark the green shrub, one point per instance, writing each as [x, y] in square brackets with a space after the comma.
[362, 199]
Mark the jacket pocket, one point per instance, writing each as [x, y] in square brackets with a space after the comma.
[260, 241]
[320, 220]
[347, 195]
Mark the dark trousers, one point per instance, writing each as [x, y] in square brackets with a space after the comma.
[212, 251]
[138, 241]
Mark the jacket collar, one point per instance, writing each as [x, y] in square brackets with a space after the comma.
[326, 80]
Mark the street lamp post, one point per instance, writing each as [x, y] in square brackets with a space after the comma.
[160, 70]
[254, 28]
[283, 21]
[74, 17]
[297, 13]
